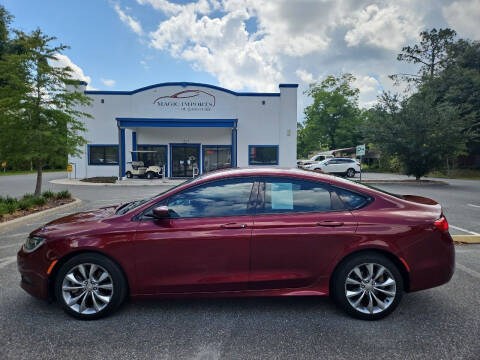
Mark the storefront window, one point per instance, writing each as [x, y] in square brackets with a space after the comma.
[263, 155]
[103, 154]
[157, 158]
[216, 157]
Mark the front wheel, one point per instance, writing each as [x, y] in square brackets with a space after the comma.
[129, 174]
[90, 286]
[150, 175]
[350, 173]
[368, 286]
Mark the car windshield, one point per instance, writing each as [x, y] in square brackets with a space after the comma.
[124, 208]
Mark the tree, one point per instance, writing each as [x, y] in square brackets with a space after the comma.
[333, 119]
[458, 85]
[416, 130]
[431, 54]
[39, 120]
[5, 21]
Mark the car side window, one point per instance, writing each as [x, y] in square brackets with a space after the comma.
[351, 200]
[290, 195]
[219, 198]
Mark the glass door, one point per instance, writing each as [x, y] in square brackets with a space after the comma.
[216, 157]
[185, 159]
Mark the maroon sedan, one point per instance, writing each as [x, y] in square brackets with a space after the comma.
[250, 232]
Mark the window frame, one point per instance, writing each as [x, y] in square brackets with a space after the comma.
[251, 202]
[368, 199]
[336, 203]
[216, 147]
[264, 146]
[89, 146]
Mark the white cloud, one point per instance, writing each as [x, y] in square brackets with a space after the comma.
[366, 84]
[464, 17]
[77, 72]
[108, 82]
[255, 44]
[386, 27]
[133, 24]
[305, 76]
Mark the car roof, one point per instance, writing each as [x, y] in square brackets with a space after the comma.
[265, 171]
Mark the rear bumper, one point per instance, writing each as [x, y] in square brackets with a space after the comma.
[33, 271]
[431, 261]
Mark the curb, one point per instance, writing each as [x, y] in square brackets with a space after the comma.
[403, 182]
[466, 239]
[140, 183]
[8, 225]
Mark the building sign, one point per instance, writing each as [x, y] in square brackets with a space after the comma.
[187, 100]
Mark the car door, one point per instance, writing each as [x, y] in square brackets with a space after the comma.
[203, 246]
[300, 227]
[330, 166]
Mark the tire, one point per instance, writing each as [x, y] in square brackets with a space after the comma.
[362, 292]
[101, 298]
[129, 174]
[350, 173]
[150, 175]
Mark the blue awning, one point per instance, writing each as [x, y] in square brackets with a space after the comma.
[196, 123]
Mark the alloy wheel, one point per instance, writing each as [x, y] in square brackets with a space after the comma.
[370, 288]
[87, 288]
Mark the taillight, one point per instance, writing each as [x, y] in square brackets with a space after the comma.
[358, 164]
[441, 224]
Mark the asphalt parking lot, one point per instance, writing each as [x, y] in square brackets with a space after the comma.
[441, 323]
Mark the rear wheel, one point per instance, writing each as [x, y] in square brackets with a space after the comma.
[368, 286]
[90, 286]
[351, 173]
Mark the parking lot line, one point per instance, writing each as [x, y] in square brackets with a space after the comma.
[11, 245]
[468, 270]
[464, 230]
[475, 206]
[7, 261]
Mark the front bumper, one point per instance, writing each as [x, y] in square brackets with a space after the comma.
[33, 271]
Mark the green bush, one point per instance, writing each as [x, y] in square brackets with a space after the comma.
[8, 200]
[39, 200]
[12, 207]
[48, 195]
[25, 203]
[65, 194]
[28, 196]
[3, 208]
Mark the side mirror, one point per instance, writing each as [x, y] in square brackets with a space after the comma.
[161, 212]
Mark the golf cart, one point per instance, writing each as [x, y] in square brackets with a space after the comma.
[139, 169]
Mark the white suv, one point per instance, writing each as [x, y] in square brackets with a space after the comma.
[339, 166]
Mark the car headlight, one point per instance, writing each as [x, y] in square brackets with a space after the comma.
[33, 243]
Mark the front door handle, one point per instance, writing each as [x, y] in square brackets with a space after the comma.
[329, 223]
[233, 226]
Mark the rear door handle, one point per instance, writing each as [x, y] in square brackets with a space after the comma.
[329, 223]
[233, 226]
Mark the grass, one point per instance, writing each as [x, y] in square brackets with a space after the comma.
[465, 174]
[8, 205]
[25, 172]
[101, 179]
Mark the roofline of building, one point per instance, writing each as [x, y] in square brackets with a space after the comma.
[185, 84]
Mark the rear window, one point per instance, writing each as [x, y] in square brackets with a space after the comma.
[352, 200]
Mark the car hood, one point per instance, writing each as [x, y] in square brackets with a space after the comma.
[78, 222]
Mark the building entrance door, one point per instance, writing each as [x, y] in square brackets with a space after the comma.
[185, 159]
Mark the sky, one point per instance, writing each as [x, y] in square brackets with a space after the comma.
[242, 45]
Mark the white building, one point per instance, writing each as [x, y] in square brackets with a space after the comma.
[192, 127]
